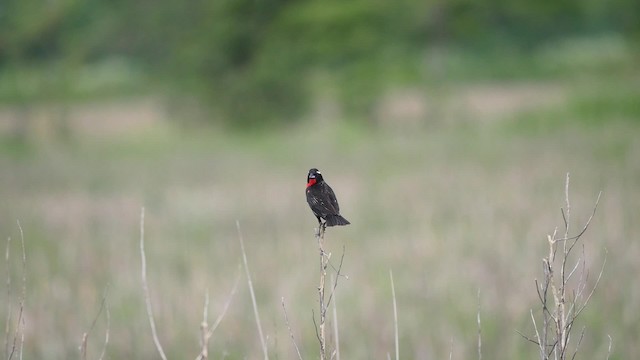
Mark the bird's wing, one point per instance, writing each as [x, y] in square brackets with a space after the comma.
[322, 200]
[311, 199]
[333, 202]
[328, 200]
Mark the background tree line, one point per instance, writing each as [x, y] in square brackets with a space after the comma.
[254, 61]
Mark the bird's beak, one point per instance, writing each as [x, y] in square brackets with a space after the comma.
[312, 176]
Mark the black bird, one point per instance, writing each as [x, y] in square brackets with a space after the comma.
[322, 200]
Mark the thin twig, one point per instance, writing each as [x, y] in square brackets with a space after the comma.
[451, 349]
[395, 316]
[83, 346]
[293, 339]
[226, 305]
[595, 286]
[335, 311]
[567, 219]
[315, 324]
[253, 296]
[527, 338]
[9, 312]
[479, 330]
[335, 281]
[106, 336]
[540, 341]
[206, 331]
[85, 336]
[21, 322]
[578, 344]
[610, 344]
[145, 288]
[586, 225]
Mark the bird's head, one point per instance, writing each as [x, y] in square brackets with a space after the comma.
[314, 177]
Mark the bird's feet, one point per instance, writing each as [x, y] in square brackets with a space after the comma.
[322, 226]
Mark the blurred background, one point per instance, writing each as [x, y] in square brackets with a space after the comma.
[446, 129]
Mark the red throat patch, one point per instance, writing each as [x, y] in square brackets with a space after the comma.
[311, 182]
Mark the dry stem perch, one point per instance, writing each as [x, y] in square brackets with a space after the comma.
[324, 261]
[324, 304]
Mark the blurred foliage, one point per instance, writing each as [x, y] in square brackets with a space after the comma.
[255, 62]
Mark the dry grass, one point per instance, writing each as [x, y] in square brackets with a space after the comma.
[451, 210]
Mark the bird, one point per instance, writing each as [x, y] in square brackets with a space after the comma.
[322, 201]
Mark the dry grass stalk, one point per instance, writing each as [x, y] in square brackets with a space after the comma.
[293, 339]
[253, 295]
[145, 288]
[7, 325]
[479, 330]
[20, 324]
[395, 316]
[85, 337]
[206, 331]
[106, 335]
[336, 334]
[559, 315]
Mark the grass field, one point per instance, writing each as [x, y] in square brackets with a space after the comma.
[459, 206]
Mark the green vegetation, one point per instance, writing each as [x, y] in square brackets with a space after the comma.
[451, 210]
[257, 63]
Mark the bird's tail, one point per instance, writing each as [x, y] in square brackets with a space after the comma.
[333, 220]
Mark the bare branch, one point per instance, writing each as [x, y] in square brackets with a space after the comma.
[335, 311]
[315, 324]
[9, 312]
[226, 305]
[586, 225]
[106, 335]
[324, 260]
[566, 218]
[335, 281]
[85, 336]
[555, 336]
[451, 349]
[204, 329]
[527, 338]
[540, 341]
[578, 344]
[595, 286]
[395, 316]
[580, 260]
[145, 288]
[479, 330]
[21, 322]
[293, 339]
